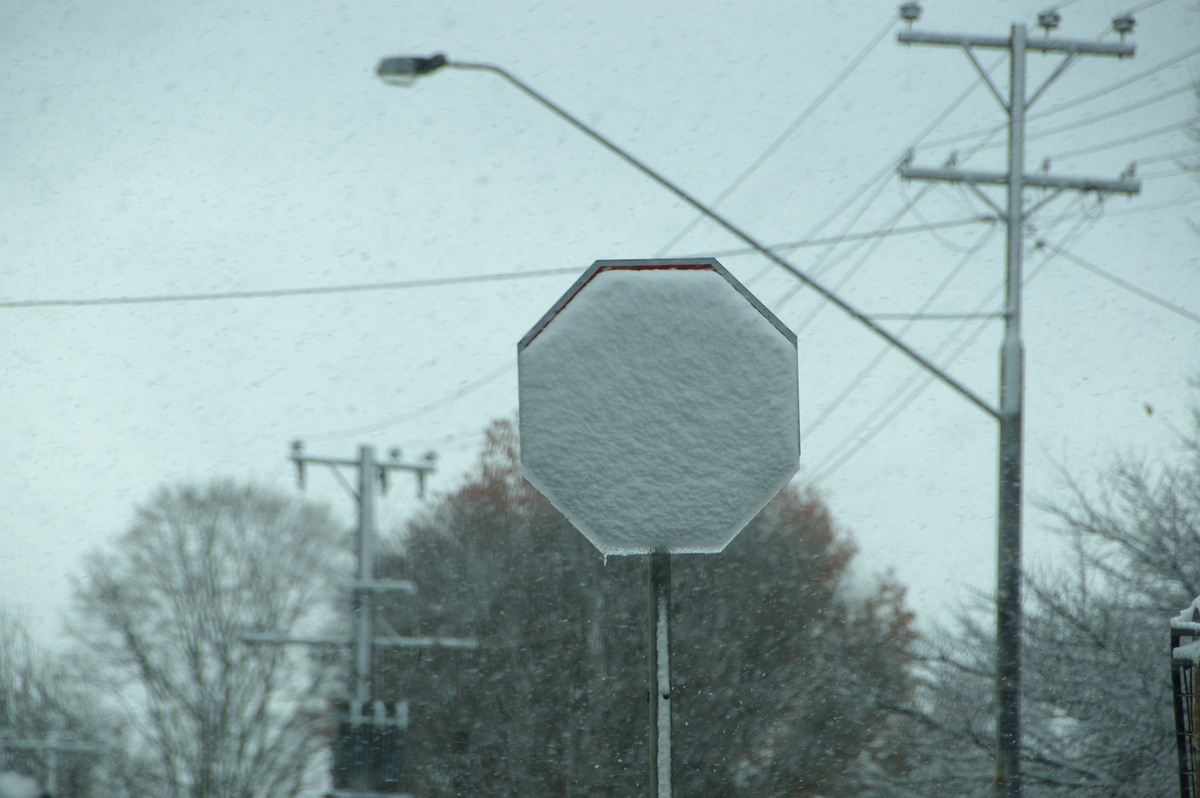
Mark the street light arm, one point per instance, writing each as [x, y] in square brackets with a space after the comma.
[728, 226]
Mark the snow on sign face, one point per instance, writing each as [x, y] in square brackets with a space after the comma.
[658, 406]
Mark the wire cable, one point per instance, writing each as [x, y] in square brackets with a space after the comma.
[408, 415]
[1106, 91]
[783, 137]
[275, 293]
[1097, 117]
[884, 351]
[885, 232]
[1170, 156]
[852, 443]
[1128, 139]
[1115, 280]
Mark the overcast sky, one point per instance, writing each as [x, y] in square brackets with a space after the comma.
[165, 149]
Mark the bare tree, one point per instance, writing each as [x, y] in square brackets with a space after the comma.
[43, 699]
[1097, 692]
[164, 610]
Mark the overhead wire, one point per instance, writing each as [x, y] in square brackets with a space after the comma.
[853, 442]
[1127, 139]
[884, 351]
[1115, 280]
[1170, 156]
[886, 232]
[408, 415]
[783, 137]
[275, 293]
[869, 248]
[1033, 116]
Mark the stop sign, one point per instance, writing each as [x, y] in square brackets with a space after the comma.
[658, 406]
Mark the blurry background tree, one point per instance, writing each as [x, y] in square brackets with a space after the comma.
[782, 658]
[42, 695]
[1097, 689]
[162, 612]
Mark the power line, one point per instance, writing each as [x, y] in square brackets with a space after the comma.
[1109, 114]
[851, 444]
[792, 128]
[1099, 117]
[1155, 207]
[1144, 6]
[273, 293]
[1128, 139]
[1169, 156]
[418, 411]
[886, 232]
[1183, 170]
[1115, 280]
[1104, 92]
[885, 350]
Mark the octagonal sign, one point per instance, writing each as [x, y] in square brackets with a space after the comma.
[658, 406]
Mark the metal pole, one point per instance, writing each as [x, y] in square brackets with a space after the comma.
[1008, 512]
[366, 546]
[659, 572]
[52, 764]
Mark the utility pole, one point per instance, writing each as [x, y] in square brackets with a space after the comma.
[53, 745]
[372, 475]
[368, 720]
[1007, 782]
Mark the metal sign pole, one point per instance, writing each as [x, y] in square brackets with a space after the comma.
[659, 571]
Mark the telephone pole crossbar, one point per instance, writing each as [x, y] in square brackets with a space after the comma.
[53, 744]
[1007, 782]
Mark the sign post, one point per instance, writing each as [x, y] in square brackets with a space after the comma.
[658, 413]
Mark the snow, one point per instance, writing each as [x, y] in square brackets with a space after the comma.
[14, 785]
[658, 407]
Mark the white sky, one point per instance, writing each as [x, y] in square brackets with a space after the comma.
[170, 148]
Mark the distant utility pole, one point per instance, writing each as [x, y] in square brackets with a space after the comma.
[366, 715]
[372, 475]
[1012, 352]
[53, 745]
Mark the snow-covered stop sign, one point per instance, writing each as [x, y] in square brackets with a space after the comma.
[658, 406]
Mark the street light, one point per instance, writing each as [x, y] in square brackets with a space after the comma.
[404, 70]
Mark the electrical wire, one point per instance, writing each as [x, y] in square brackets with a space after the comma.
[1158, 206]
[1115, 280]
[1109, 114]
[884, 351]
[847, 237]
[868, 247]
[1106, 91]
[783, 137]
[408, 415]
[1144, 6]
[1128, 139]
[1169, 156]
[852, 443]
[1183, 170]
[1098, 117]
[275, 293]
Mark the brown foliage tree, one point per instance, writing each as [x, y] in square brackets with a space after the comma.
[781, 659]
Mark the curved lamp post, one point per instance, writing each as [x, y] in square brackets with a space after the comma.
[404, 71]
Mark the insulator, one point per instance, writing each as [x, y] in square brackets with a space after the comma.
[1123, 24]
[1049, 20]
[910, 12]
